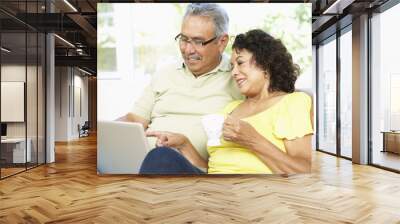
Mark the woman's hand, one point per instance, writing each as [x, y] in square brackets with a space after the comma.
[168, 139]
[240, 132]
[296, 160]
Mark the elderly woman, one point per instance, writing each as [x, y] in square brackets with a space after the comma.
[267, 133]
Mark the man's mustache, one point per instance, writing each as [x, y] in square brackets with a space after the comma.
[193, 57]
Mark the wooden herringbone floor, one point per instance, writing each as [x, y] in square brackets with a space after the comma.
[70, 191]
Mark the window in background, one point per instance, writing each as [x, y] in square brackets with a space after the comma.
[394, 102]
[107, 60]
[327, 96]
[142, 46]
[346, 93]
[385, 84]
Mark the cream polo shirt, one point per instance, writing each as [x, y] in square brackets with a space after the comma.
[175, 100]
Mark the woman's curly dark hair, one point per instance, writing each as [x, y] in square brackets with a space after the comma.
[272, 56]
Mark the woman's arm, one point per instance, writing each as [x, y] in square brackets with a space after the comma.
[296, 160]
[190, 153]
[180, 142]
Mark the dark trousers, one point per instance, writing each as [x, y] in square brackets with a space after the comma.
[164, 160]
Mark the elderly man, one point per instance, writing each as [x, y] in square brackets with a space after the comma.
[178, 96]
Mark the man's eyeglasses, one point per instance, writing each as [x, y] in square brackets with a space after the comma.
[197, 43]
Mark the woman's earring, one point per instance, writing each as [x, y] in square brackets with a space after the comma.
[266, 74]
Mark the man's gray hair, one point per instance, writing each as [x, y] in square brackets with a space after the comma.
[212, 10]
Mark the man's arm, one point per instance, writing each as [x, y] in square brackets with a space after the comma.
[142, 109]
[131, 117]
[180, 142]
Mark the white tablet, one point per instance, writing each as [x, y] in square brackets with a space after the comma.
[121, 147]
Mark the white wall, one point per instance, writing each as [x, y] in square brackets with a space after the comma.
[69, 85]
[80, 109]
[34, 124]
[61, 103]
[12, 73]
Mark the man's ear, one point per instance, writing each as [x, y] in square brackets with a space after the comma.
[223, 41]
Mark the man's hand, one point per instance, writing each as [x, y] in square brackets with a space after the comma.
[180, 142]
[168, 139]
[240, 132]
[130, 117]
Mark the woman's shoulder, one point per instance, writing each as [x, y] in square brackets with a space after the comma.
[298, 97]
[295, 100]
[293, 118]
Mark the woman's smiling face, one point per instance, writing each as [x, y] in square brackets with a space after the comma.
[249, 77]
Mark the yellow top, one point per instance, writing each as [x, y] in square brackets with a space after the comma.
[288, 119]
